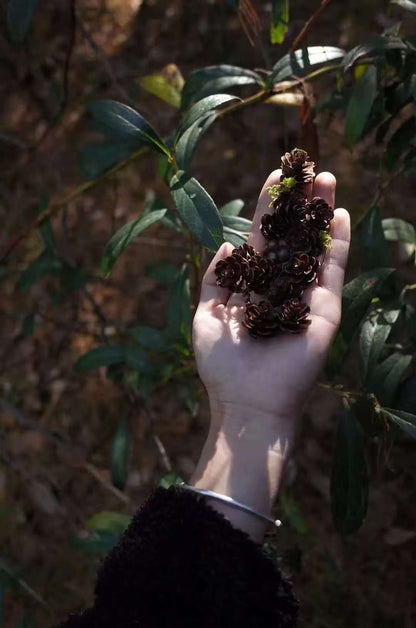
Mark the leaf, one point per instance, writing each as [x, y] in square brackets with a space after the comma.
[188, 142]
[386, 377]
[203, 108]
[237, 223]
[374, 251]
[303, 61]
[404, 420]
[197, 210]
[108, 522]
[399, 142]
[179, 307]
[409, 5]
[165, 273]
[125, 236]
[232, 208]
[373, 336]
[357, 296]
[215, 79]
[396, 229]
[280, 21]
[149, 337]
[374, 48]
[360, 105]
[95, 159]
[120, 452]
[96, 543]
[125, 125]
[349, 477]
[20, 14]
[170, 479]
[102, 356]
[166, 85]
[234, 237]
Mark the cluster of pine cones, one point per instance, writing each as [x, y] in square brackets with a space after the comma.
[297, 234]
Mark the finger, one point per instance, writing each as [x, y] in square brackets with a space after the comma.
[211, 294]
[324, 187]
[256, 239]
[331, 276]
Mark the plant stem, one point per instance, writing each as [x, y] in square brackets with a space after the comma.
[309, 24]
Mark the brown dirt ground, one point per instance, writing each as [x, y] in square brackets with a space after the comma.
[57, 426]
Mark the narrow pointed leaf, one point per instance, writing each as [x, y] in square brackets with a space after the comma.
[102, 356]
[125, 236]
[373, 336]
[236, 238]
[20, 14]
[360, 104]
[387, 376]
[349, 477]
[357, 296]
[203, 108]
[374, 48]
[120, 455]
[197, 209]
[215, 79]
[404, 420]
[396, 229]
[124, 124]
[305, 60]
[189, 140]
[280, 21]
[237, 223]
[399, 142]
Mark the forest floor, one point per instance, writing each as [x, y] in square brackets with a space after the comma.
[57, 426]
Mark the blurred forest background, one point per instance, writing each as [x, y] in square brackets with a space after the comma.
[57, 426]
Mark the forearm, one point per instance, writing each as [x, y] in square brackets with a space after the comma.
[244, 459]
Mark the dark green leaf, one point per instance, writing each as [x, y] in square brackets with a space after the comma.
[165, 273]
[95, 159]
[234, 237]
[409, 5]
[280, 21]
[233, 208]
[349, 477]
[95, 543]
[197, 210]
[386, 377]
[125, 125]
[237, 223]
[179, 307]
[399, 142]
[125, 236]
[404, 420]
[373, 336]
[120, 452]
[188, 142]
[396, 229]
[303, 61]
[215, 79]
[20, 15]
[169, 480]
[374, 251]
[374, 48]
[108, 522]
[149, 337]
[360, 105]
[102, 356]
[357, 296]
[202, 109]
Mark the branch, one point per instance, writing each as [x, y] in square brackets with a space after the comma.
[305, 30]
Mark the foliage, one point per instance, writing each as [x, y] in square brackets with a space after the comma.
[374, 87]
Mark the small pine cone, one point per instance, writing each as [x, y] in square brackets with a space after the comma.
[283, 288]
[319, 214]
[296, 164]
[293, 316]
[261, 320]
[260, 273]
[304, 239]
[245, 251]
[289, 213]
[302, 268]
[233, 271]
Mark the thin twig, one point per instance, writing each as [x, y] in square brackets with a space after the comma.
[307, 27]
[26, 587]
[92, 470]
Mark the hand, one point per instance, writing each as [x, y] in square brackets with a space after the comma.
[269, 379]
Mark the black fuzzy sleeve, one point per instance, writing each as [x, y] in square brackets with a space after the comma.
[182, 564]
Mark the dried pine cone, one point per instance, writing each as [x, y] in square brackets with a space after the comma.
[319, 214]
[261, 319]
[283, 288]
[302, 268]
[304, 239]
[232, 272]
[260, 273]
[287, 215]
[296, 164]
[293, 316]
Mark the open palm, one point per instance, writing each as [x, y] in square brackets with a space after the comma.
[270, 376]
